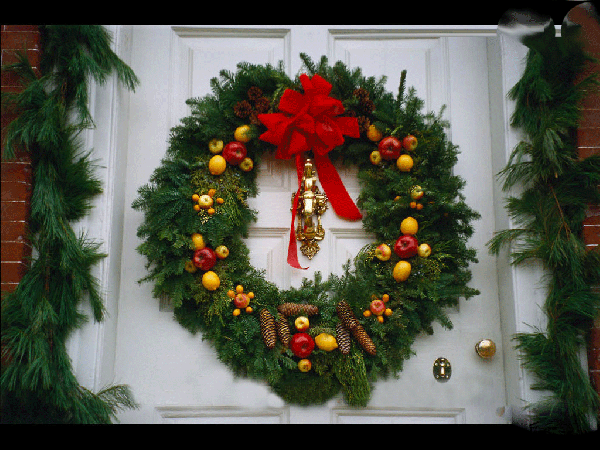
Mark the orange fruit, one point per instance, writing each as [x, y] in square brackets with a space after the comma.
[405, 163]
[409, 226]
[211, 281]
[217, 165]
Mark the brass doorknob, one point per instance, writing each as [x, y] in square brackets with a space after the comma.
[486, 348]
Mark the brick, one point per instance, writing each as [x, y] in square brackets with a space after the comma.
[588, 137]
[15, 251]
[14, 231]
[20, 40]
[12, 272]
[20, 27]
[586, 152]
[12, 211]
[14, 191]
[16, 171]
[591, 234]
[590, 118]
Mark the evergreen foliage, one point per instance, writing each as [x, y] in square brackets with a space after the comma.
[38, 385]
[557, 188]
[445, 222]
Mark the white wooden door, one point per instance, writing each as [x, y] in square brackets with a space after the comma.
[176, 377]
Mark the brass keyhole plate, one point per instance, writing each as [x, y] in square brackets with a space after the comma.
[442, 370]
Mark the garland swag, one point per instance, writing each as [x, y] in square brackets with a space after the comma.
[557, 188]
[38, 385]
[253, 338]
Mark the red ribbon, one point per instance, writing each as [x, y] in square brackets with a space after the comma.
[309, 121]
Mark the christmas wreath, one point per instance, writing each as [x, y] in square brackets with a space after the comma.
[338, 333]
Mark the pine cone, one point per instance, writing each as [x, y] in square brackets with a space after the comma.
[367, 106]
[242, 109]
[363, 124]
[364, 340]
[295, 309]
[262, 105]
[267, 328]
[346, 315]
[343, 339]
[283, 330]
[361, 94]
[254, 93]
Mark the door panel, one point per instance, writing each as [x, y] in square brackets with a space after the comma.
[177, 377]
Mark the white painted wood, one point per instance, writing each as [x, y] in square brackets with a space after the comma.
[175, 376]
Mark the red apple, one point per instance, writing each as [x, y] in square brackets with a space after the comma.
[204, 258]
[234, 152]
[410, 142]
[377, 307]
[390, 147]
[241, 300]
[302, 345]
[406, 246]
[383, 252]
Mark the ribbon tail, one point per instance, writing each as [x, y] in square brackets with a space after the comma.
[337, 194]
[292, 258]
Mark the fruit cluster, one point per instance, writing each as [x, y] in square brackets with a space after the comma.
[390, 148]
[233, 153]
[241, 300]
[378, 308]
[207, 201]
[204, 258]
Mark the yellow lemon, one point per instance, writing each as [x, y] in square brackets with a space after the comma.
[217, 165]
[409, 226]
[374, 134]
[405, 163]
[242, 134]
[401, 271]
[198, 241]
[326, 342]
[211, 281]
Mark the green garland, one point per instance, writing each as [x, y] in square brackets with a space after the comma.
[38, 385]
[247, 342]
[557, 189]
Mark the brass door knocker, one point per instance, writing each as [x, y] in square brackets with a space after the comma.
[310, 202]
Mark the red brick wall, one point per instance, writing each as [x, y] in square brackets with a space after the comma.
[17, 173]
[588, 140]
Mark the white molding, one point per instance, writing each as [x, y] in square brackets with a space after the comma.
[404, 416]
[221, 415]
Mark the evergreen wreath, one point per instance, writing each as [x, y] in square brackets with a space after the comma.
[195, 201]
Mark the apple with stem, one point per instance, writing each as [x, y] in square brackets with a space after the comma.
[406, 246]
[204, 258]
[383, 252]
[390, 148]
[234, 152]
[410, 143]
[302, 345]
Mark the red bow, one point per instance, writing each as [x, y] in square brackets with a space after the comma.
[309, 121]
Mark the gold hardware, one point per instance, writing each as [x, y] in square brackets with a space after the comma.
[442, 370]
[310, 202]
[486, 348]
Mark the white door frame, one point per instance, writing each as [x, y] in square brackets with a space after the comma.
[92, 348]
